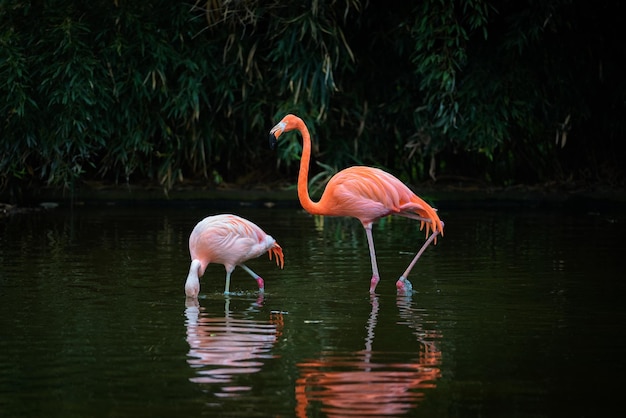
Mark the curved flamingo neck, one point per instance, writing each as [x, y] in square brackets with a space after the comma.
[192, 285]
[303, 175]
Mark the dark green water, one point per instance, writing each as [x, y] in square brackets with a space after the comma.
[516, 313]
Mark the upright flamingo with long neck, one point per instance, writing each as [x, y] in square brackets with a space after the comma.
[365, 193]
[229, 240]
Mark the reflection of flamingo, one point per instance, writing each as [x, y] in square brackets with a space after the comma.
[355, 384]
[229, 240]
[222, 348]
[365, 193]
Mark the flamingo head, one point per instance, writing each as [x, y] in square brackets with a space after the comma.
[192, 285]
[287, 124]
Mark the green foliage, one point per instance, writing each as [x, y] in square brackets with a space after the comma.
[163, 91]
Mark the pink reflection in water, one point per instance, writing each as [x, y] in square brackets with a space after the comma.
[356, 385]
[224, 347]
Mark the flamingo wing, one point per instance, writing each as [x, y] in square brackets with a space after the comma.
[227, 239]
[369, 193]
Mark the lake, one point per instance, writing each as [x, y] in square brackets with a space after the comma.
[516, 312]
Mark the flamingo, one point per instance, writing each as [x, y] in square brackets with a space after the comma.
[229, 240]
[365, 193]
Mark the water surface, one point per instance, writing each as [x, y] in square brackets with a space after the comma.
[516, 312]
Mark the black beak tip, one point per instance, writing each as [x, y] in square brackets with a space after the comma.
[273, 141]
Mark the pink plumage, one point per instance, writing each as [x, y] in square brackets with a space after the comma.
[365, 193]
[229, 240]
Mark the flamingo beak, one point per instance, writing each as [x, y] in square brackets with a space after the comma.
[273, 141]
[275, 133]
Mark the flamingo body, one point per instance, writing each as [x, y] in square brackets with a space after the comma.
[368, 194]
[229, 240]
[365, 193]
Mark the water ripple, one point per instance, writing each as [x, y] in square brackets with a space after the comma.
[367, 382]
[221, 348]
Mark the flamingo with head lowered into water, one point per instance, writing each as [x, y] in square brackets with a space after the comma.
[229, 240]
[365, 193]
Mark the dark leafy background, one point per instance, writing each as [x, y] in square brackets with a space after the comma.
[165, 93]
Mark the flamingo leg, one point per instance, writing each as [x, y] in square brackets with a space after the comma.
[403, 285]
[227, 288]
[255, 276]
[370, 242]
